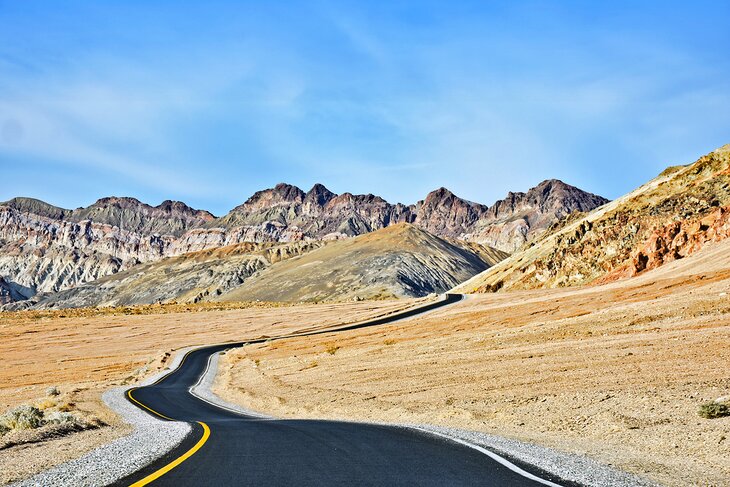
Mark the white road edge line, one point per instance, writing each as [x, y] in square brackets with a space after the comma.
[491, 455]
[497, 458]
[203, 376]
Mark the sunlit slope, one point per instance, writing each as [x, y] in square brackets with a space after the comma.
[668, 218]
[400, 260]
[192, 277]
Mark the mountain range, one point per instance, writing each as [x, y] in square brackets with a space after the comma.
[47, 249]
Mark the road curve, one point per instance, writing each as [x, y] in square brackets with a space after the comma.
[227, 448]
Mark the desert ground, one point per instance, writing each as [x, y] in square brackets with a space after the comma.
[85, 352]
[617, 372]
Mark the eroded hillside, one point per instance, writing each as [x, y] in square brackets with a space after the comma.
[667, 219]
[398, 261]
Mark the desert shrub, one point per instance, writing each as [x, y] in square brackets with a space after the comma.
[59, 417]
[53, 391]
[66, 406]
[332, 348]
[22, 417]
[710, 410]
[25, 417]
[46, 404]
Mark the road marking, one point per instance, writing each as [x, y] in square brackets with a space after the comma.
[159, 473]
[247, 415]
[129, 395]
[492, 455]
[206, 430]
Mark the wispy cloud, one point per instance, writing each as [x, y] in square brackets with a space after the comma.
[396, 99]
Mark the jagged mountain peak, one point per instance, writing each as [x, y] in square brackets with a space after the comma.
[281, 193]
[319, 195]
[119, 201]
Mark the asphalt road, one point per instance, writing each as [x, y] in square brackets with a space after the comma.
[242, 450]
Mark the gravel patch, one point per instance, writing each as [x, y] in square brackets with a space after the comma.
[151, 439]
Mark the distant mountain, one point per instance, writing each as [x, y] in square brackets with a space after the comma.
[510, 223]
[191, 277]
[672, 216]
[286, 213]
[44, 248]
[168, 218]
[398, 261]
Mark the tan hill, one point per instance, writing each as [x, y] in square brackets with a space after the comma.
[192, 277]
[400, 260]
[666, 219]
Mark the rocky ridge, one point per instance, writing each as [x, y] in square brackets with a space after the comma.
[44, 248]
[669, 218]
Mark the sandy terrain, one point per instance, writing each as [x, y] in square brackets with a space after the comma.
[84, 352]
[616, 372]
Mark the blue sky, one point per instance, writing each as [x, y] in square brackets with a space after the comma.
[207, 102]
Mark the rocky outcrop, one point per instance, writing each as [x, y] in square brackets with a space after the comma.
[6, 294]
[520, 217]
[675, 241]
[667, 219]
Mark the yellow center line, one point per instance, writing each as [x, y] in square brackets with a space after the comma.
[129, 394]
[162, 471]
[159, 473]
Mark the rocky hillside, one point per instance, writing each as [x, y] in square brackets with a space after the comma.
[192, 277]
[129, 214]
[44, 248]
[400, 260]
[520, 217]
[286, 213]
[669, 218]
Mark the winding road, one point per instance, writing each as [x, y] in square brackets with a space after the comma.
[227, 448]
